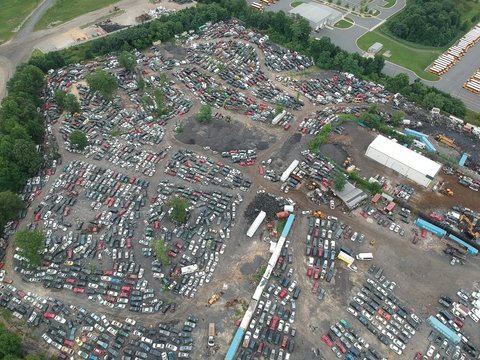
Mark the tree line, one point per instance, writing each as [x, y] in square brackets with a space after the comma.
[11, 346]
[430, 22]
[21, 134]
[293, 33]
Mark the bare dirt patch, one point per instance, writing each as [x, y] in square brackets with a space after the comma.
[222, 136]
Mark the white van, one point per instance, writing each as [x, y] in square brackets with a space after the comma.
[364, 256]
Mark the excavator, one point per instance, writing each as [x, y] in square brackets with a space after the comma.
[471, 227]
[447, 192]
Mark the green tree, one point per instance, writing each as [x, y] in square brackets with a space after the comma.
[204, 116]
[10, 207]
[339, 182]
[10, 344]
[162, 252]
[279, 108]
[159, 97]
[71, 104]
[32, 245]
[78, 139]
[127, 60]
[398, 83]
[140, 82]
[59, 96]
[28, 79]
[179, 208]
[397, 118]
[106, 84]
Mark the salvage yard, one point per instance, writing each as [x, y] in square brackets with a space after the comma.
[145, 228]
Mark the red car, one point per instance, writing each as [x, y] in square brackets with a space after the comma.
[78, 290]
[316, 275]
[49, 315]
[458, 322]
[384, 314]
[340, 346]
[309, 271]
[283, 293]
[418, 356]
[172, 254]
[436, 217]
[327, 340]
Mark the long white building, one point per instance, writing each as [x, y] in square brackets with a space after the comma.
[407, 162]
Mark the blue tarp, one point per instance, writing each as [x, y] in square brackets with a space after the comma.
[463, 159]
[430, 227]
[235, 344]
[288, 225]
[470, 249]
[421, 137]
[448, 333]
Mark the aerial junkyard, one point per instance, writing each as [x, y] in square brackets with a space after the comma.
[305, 236]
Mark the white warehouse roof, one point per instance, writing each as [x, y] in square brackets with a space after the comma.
[405, 156]
[317, 14]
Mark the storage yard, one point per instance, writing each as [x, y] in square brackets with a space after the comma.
[273, 258]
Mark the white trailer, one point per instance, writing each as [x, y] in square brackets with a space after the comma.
[188, 269]
[289, 170]
[279, 117]
[256, 223]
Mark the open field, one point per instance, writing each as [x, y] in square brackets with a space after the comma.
[12, 13]
[344, 24]
[411, 58]
[65, 10]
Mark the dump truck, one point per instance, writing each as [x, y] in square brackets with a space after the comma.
[211, 334]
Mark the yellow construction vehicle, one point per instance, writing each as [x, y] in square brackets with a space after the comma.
[471, 227]
[447, 192]
[319, 214]
[445, 140]
[214, 298]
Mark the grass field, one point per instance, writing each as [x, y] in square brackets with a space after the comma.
[296, 3]
[65, 10]
[343, 24]
[12, 13]
[389, 3]
[415, 59]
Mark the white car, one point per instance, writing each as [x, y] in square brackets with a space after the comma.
[352, 311]
[400, 344]
[256, 334]
[430, 350]
[396, 349]
[358, 300]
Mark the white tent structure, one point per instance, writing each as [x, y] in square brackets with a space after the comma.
[407, 162]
